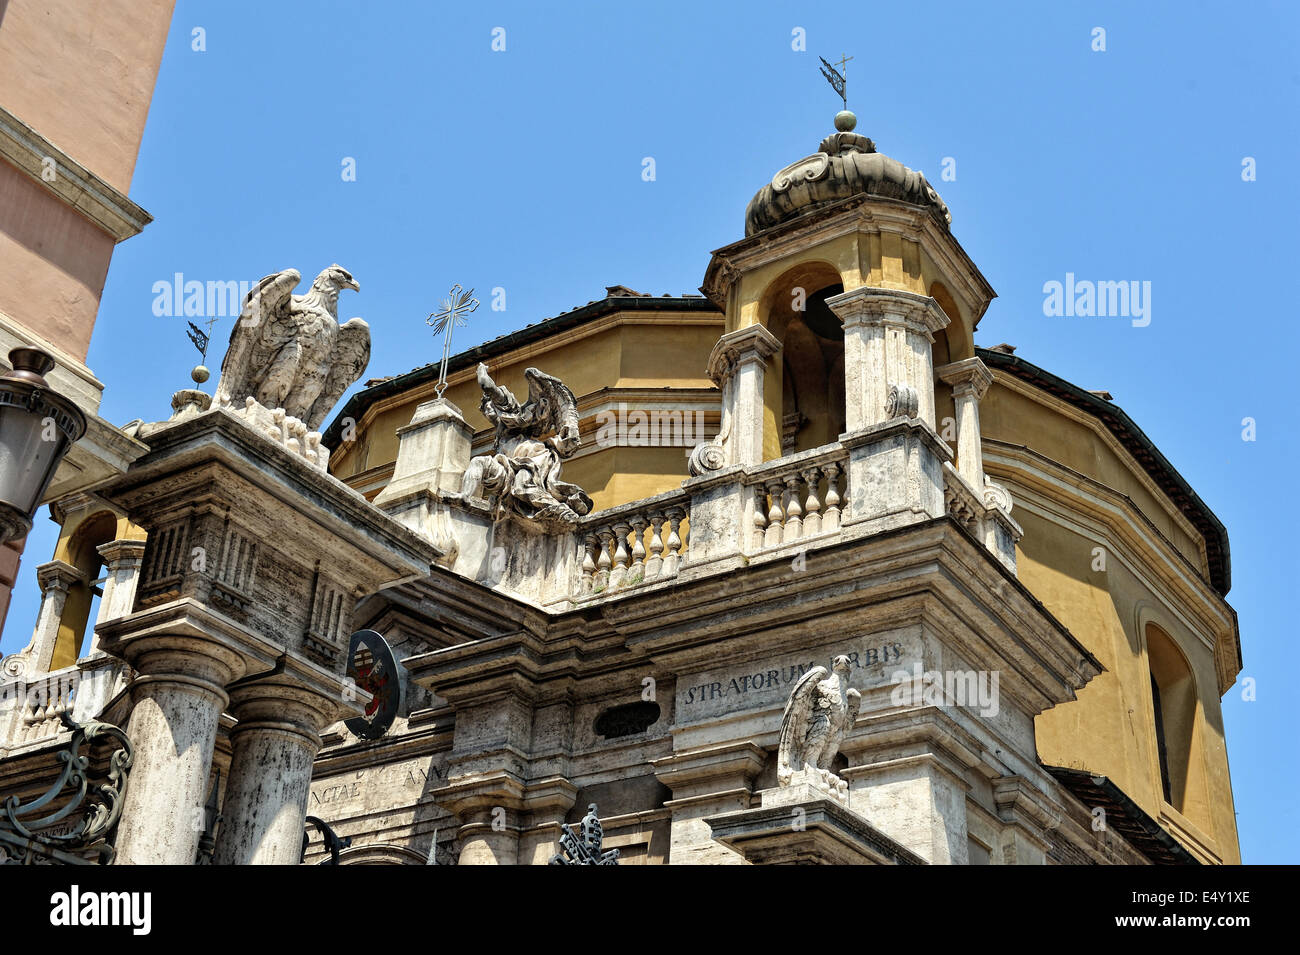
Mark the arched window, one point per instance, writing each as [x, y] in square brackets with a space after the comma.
[1173, 702]
[812, 411]
[82, 600]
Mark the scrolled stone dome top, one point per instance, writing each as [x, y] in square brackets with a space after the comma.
[846, 164]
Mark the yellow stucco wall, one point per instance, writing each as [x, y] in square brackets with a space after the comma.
[1110, 728]
[631, 350]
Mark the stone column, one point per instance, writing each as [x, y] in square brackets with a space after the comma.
[54, 577]
[738, 363]
[888, 366]
[489, 836]
[273, 747]
[178, 698]
[122, 561]
[970, 380]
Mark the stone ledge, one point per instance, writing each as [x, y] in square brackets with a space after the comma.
[827, 835]
[73, 184]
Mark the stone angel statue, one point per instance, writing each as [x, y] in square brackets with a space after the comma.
[522, 474]
[821, 709]
[290, 352]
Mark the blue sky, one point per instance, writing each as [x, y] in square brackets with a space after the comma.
[522, 169]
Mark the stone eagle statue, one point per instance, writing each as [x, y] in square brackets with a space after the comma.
[289, 351]
[821, 709]
[522, 474]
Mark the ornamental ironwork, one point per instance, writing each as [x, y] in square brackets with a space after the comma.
[29, 831]
[581, 844]
[334, 843]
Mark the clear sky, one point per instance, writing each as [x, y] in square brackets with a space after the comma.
[522, 169]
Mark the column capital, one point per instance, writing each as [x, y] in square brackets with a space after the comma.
[58, 575]
[968, 375]
[870, 305]
[280, 704]
[120, 552]
[753, 343]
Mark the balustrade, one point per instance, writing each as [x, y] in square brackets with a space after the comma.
[634, 544]
[798, 498]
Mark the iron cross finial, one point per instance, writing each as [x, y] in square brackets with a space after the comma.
[454, 308]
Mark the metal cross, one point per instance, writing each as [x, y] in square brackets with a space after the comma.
[455, 307]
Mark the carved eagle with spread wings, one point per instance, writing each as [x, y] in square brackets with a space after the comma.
[289, 351]
[821, 709]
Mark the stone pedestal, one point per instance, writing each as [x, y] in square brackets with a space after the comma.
[887, 339]
[433, 452]
[895, 476]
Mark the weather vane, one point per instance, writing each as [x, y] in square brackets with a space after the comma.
[837, 78]
[455, 307]
[200, 338]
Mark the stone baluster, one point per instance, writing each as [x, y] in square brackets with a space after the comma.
[671, 557]
[775, 514]
[831, 515]
[760, 516]
[590, 547]
[812, 519]
[621, 557]
[603, 563]
[654, 564]
[793, 529]
[637, 572]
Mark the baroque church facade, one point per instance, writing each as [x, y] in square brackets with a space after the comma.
[610, 593]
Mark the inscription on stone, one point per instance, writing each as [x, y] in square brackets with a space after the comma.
[351, 791]
[748, 686]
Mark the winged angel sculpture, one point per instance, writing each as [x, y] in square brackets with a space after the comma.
[522, 474]
[290, 360]
[821, 709]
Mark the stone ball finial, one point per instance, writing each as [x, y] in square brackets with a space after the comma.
[845, 121]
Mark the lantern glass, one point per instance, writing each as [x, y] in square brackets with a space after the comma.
[37, 426]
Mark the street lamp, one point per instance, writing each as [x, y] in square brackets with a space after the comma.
[37, 426]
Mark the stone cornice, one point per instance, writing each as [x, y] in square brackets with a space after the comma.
[73, 183]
